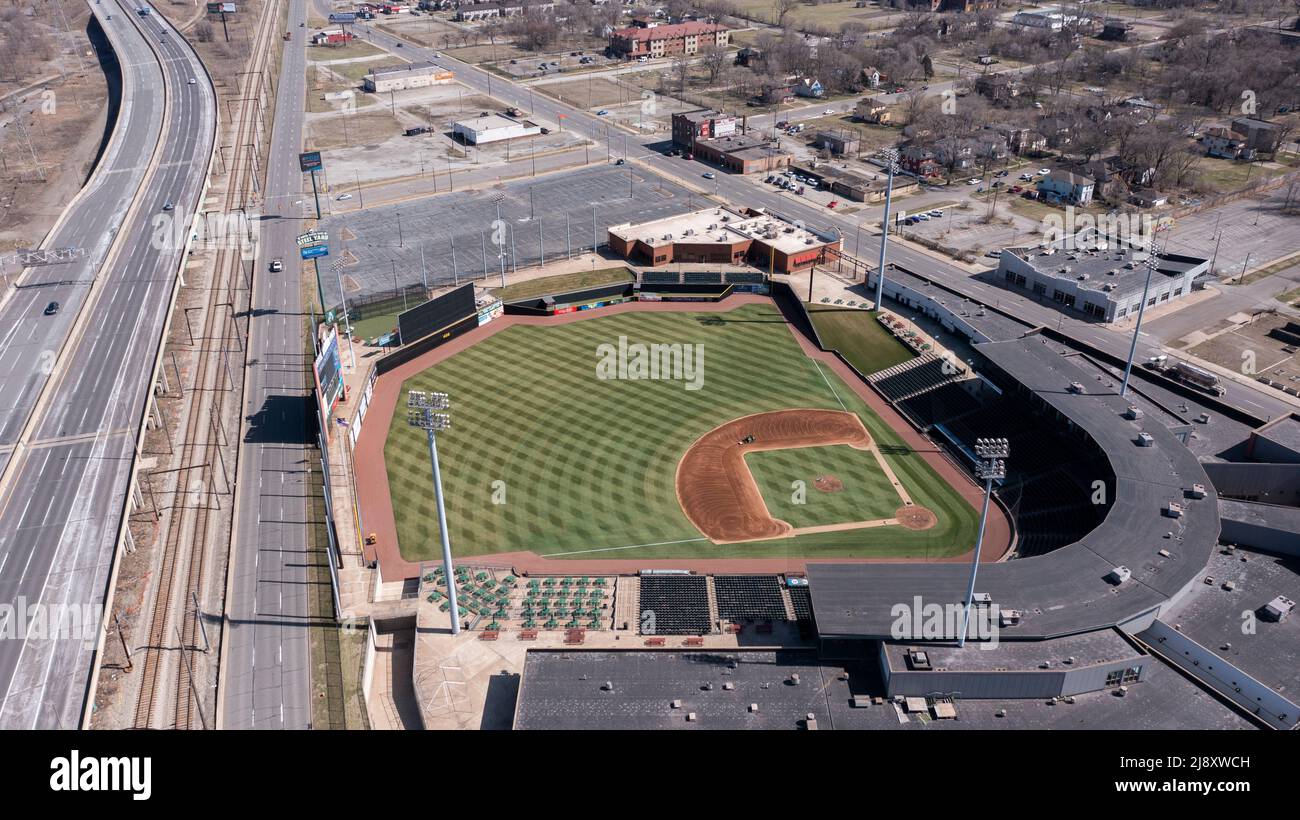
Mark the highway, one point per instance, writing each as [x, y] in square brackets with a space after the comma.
[266, 671]
[748, 191]
[66, 497]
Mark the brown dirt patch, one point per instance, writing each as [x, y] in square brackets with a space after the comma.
[828, 483]
[916, 518]
[714, 485]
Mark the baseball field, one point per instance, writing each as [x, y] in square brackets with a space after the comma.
[571, 441]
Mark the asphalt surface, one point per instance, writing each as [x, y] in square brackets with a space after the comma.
[64, 504]
[266, 672]
[742, 190]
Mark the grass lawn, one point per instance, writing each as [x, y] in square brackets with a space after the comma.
[356, 48]
[858, 337]
[866, 495]
[589, 465]
[562, 283]
[373, 326]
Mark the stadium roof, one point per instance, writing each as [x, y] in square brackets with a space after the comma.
[1064, 591]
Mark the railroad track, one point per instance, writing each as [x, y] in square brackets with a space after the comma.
[175, 631]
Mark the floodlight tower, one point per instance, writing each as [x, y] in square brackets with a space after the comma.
[890, 157]
[421, 412]
[992, 453]
[497, 199]
[1152, 264]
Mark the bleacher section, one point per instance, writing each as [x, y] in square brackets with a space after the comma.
[742, 597]
[941, 405]
[679, 605]
[744, 278]
[702, 277]
[915, 376]
[660, 277]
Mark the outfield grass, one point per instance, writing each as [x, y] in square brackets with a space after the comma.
[867, 493]
[562, 283]
[858, 337]
[589, 465]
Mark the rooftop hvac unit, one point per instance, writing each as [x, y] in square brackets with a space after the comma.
[1145, 440]
[918, 659]
[1277, 609]
[1198, 491]
[1009, 617]
[807, 241]
[1082, 277]
[1119, 575]
[1108, 287]
[1133, 412]
[1172, 510]
[1076, 387]
[982, 599]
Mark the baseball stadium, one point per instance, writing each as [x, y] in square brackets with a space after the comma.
[671, 478]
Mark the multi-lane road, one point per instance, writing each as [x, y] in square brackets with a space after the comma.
[71, 424]
[266, 673]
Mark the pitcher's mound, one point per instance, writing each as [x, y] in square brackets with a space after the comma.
[916, 518]
[828, 484]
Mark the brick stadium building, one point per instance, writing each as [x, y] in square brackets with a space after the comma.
[665, 40]
[723, 236]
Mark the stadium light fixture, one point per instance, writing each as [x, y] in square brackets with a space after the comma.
[890, 157]
[422, 411]
[1152, 265]
[993, 453]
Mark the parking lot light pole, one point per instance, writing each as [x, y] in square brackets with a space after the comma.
[421, 409]
[993, 453]
[890, 157]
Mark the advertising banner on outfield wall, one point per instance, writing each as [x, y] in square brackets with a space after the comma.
[328, 371]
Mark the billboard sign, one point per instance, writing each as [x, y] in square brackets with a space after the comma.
[314, 251]
[214, 8]
[316, 237]
[329, 373]
[343, 17]
[309, 161]
[228, 8]
[724, 127]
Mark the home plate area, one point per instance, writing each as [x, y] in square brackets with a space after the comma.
[748, 479]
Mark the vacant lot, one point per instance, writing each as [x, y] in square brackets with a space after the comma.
[365, 128]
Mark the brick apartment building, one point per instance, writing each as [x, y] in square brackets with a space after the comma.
[664, 40]
[702, 123]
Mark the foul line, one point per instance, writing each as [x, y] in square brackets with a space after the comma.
[630, 547]
[817, 365]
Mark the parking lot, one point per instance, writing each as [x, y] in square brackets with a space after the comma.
[390, 247]
[1254, 227]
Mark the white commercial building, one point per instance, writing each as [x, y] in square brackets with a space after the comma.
[494, 128]
[406, 75]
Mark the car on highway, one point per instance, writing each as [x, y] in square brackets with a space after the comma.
[167, 206]
[191, 81]
[399, 45]
[344, 197]
[710, 175]
[52, 308]
[620, 161]
[602, 113]
[276, 266]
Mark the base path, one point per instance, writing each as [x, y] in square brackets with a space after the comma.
[715, 488]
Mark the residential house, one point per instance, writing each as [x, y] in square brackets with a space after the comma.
[920, 161]
[1064, 186]
[954, 153]
[749, 57]
[809, 87]
[997, 87]
[871, 77]
[1224, 144]
[1260, 135]
[872, 110]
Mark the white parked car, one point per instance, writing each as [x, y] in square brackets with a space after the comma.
[344, 197]
[973, 181]
[1044, 171]
[828, 112]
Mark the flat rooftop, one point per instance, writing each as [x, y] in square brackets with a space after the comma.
[562, 690]
[746, 146]
[1064, 591]
[720, 225]
[490, 122]
[1285, 430]
[1104, 264]
[1213, 616]
[1068, 652]
[406, 68]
